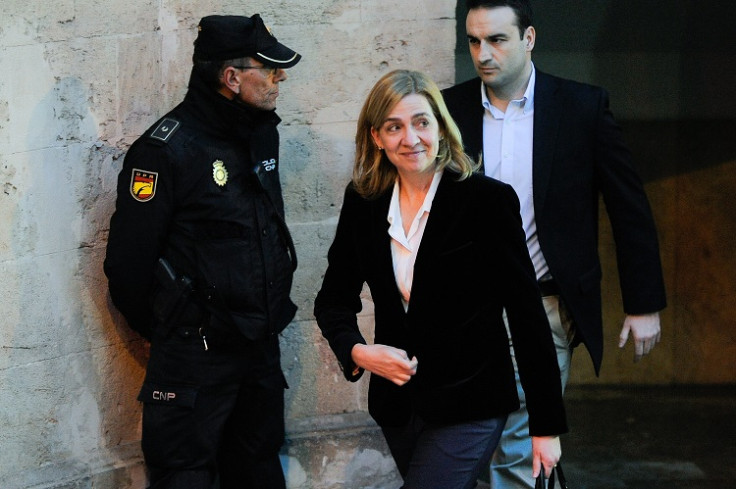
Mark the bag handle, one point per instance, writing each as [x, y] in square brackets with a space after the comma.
[557, 469]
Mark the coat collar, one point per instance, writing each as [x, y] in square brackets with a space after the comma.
[219, 116]
[547, 116]
[448, 202]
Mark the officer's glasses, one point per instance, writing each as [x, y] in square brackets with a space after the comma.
[268, 70]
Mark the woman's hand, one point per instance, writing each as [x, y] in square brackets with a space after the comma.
[388, 362]
[546, 451]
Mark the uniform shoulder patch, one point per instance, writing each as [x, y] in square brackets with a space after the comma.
[165, 129]
[143, 184]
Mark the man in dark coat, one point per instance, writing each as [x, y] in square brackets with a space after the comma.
[556, 142]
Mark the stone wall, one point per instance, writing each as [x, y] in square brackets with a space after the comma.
[81, 80]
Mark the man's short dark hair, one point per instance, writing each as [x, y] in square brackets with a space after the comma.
[210, 71]
[522, 9]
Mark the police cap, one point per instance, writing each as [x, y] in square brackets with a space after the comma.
[223, 37]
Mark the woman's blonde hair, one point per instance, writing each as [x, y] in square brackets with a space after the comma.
[373, 173]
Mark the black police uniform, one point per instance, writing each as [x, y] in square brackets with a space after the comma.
[201, 190]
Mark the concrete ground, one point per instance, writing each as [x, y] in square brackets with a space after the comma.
[650, 438]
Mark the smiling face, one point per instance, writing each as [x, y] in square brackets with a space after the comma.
[409, 136]
[501, 56]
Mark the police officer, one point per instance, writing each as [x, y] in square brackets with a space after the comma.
[200, 262]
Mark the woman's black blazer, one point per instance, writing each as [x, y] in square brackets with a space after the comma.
[471, 265]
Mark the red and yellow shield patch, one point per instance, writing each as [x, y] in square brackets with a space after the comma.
[143, 184]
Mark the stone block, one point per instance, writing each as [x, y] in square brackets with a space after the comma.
[44, 188]
[33, 22]
[418, 11]
[342, 451]
[317, 164]
[93, 18]
[31, 120]
[140, 84]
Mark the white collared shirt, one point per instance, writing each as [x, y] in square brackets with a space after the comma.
[507, 156]
[404, 247]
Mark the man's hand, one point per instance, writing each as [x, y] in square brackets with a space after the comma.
[388, 362]
[546, 451]
[646, 331]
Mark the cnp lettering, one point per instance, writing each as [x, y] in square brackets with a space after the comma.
[164, 396]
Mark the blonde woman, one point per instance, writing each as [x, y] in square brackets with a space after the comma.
[443, 252]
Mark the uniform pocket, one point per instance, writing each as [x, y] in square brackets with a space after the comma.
[172, 434]
[168, 394]
[233, 268]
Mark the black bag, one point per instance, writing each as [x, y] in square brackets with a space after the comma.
[551, 484]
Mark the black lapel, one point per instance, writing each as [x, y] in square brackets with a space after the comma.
[381, 238]
[470, 121]
[447, 203]
[381, 249]
[547, 114]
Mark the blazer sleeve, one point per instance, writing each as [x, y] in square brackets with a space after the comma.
[338, 300]
[635, 235]
[530, 331]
